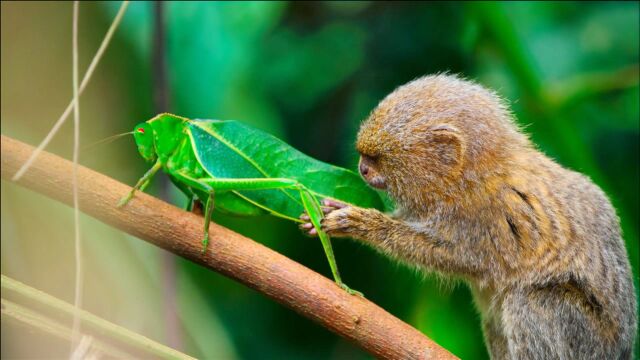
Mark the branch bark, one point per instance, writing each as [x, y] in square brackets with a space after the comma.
[233, 255]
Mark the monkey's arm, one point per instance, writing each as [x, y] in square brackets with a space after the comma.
[414, 243]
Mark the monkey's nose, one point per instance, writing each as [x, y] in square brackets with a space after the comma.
[364, 169]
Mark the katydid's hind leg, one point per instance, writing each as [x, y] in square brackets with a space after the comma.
[207, 220]
[350, 290]
[141, 184]
[314, 214]
[193, 204]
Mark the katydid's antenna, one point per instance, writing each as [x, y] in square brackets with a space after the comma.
[107, 140]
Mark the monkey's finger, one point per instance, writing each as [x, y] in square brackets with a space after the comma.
[304, 217]
[326, 209]
[334, 203]
[308, 230]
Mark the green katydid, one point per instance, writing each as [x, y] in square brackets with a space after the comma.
[248, 171]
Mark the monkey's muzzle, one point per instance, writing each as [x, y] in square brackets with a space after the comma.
[370, 174]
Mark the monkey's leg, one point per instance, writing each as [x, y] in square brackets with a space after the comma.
[495, 339]
[549, 323]
[528, 331]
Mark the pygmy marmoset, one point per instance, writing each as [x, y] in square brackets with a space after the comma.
[539, 245]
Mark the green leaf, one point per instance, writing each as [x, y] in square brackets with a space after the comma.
[229, 149]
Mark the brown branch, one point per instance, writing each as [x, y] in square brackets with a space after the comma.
[233, 255]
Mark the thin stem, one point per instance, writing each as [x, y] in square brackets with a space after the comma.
[26, 317]
[77, 299]
[90, 321]
[85, 80]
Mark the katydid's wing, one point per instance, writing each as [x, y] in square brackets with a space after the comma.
[229, 149]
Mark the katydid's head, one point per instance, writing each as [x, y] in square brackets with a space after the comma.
[143, 133]
[160, 137]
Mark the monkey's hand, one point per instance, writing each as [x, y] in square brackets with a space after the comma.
[344, 220]
[415, 242]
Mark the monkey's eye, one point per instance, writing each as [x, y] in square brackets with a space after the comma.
[370, 158]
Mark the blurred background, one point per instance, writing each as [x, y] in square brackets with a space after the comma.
[308, 73]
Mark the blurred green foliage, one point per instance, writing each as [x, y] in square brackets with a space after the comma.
[309, 73]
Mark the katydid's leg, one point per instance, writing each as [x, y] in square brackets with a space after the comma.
[198, 184]
[252, 184]
[194, 206]
[192, 200]
[314, 211]
[187, 191]
[141, 184]
[192, 182]
[144, 185]
[207, 219]
[189, 205]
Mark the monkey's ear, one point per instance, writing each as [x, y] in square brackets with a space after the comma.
[443, 128]
[448, 143]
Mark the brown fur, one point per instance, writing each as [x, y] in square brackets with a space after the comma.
[539, 245]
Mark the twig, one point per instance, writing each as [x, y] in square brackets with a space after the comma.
[97, 325]
[230, 254]
[23, 316]
[85, 80]
[77, 288]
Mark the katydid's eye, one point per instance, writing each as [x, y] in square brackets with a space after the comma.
[140, 130]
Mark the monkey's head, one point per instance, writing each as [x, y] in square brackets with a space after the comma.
[431, 136]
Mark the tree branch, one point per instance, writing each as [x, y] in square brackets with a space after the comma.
[230, 254]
